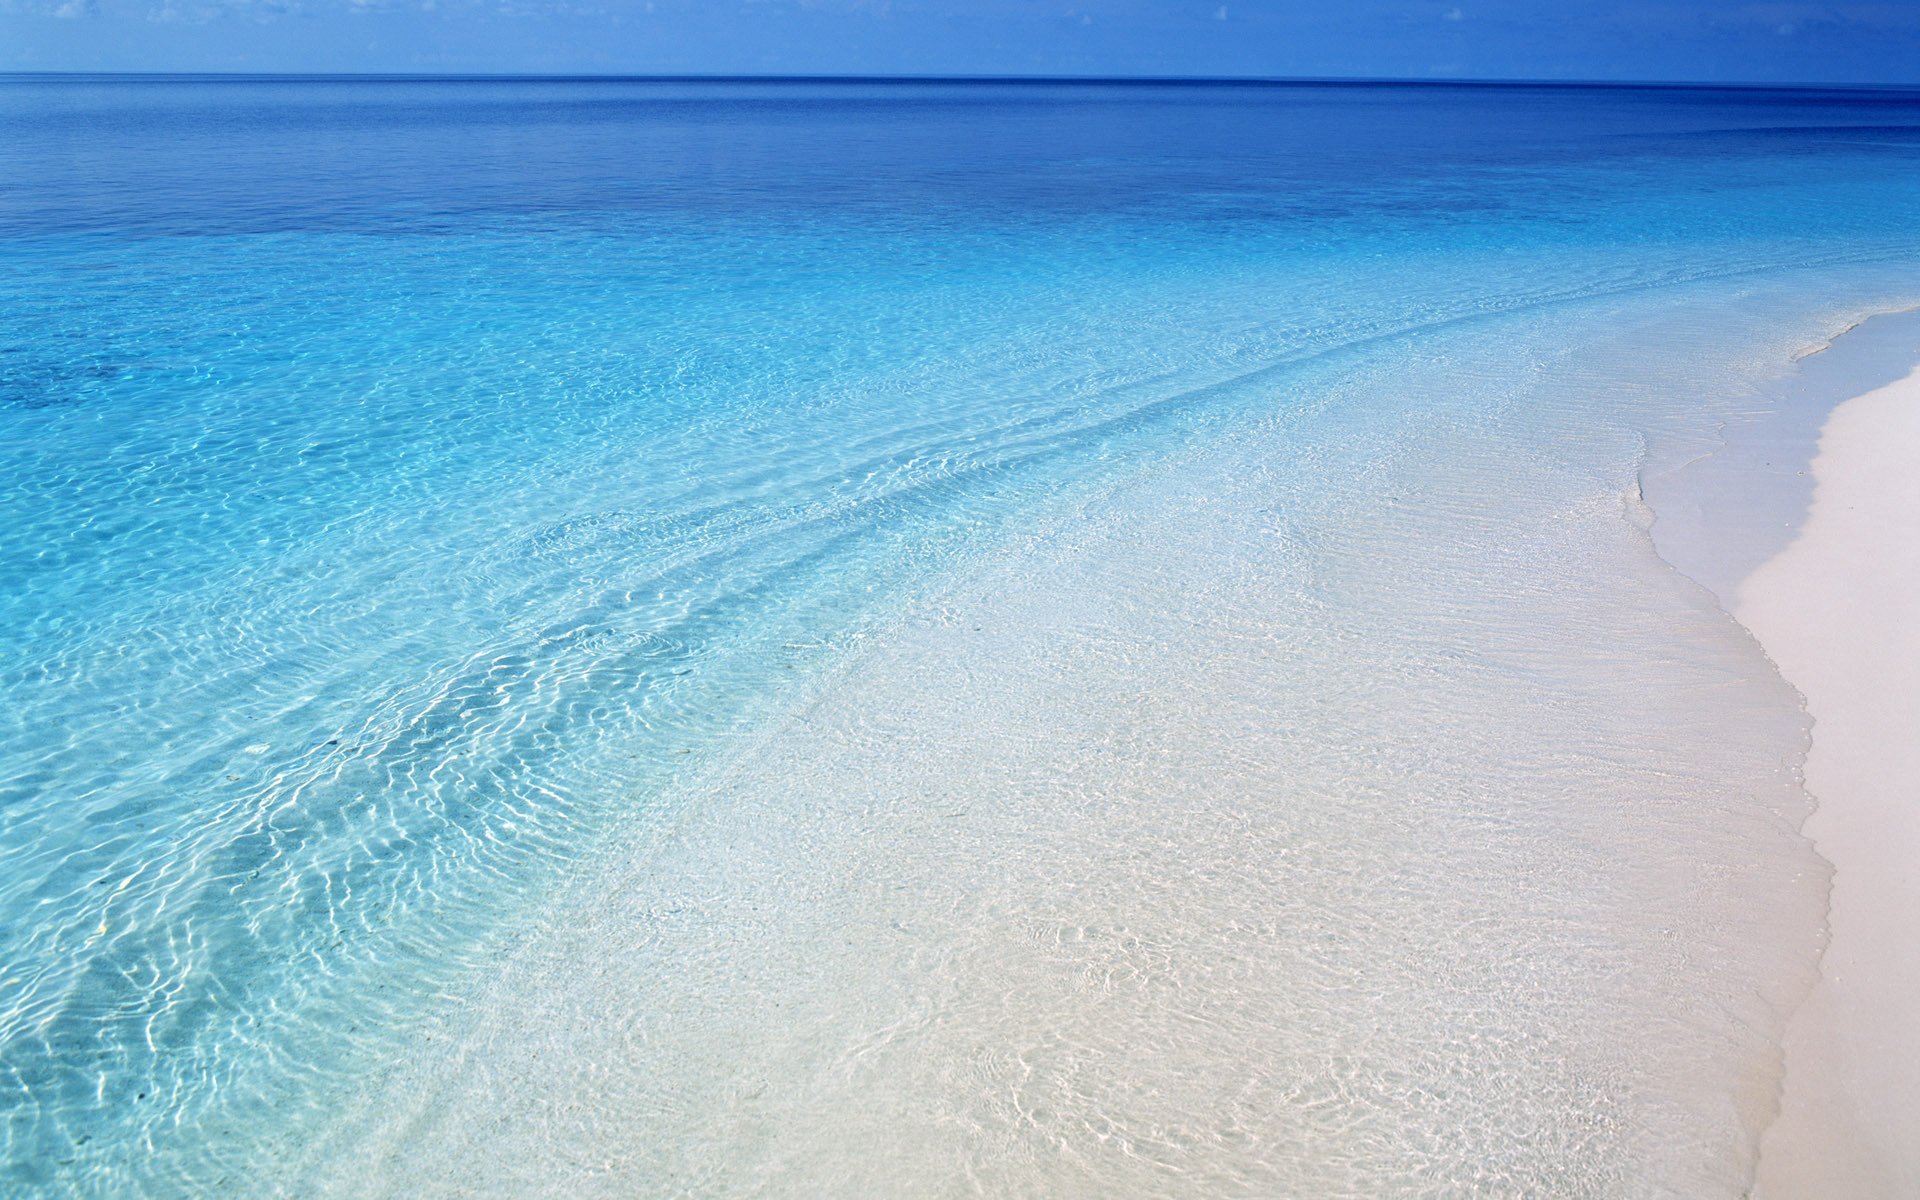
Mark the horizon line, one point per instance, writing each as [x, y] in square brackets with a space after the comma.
[858, 78]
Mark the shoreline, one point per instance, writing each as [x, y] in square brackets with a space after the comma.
[1143, 814]
[1833, 611]
[1796, 522]
[971, 878]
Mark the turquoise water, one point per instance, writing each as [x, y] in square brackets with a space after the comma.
[413, 491]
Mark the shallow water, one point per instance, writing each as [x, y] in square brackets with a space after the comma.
[745, 638]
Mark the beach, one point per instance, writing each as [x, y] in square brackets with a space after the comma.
[1839, 612]
[1092, 877]
[785, 637]
[1045, 909]
[1800, 519]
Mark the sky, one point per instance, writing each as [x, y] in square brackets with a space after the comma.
[1705, 40]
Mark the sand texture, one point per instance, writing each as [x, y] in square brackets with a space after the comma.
[1839, 612]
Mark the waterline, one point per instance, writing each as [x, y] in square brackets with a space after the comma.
[396, 547]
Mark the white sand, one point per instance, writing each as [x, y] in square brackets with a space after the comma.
[1839, 612]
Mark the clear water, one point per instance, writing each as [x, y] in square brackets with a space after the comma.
[506, 585]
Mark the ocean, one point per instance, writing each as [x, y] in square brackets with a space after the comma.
[869, 637]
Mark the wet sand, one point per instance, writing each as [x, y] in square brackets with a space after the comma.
[1251, 829]
[1839, 611]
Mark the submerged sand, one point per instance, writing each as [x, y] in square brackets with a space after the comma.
[1839, 612]
[1253, 829]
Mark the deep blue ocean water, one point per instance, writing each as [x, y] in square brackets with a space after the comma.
[405, 485]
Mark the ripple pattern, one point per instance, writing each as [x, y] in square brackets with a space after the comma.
[408, 529]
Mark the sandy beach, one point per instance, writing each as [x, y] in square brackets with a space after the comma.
[939, 635]
[1188, 878]
[1836, 611]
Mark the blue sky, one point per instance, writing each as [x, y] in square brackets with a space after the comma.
[1535, 39]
